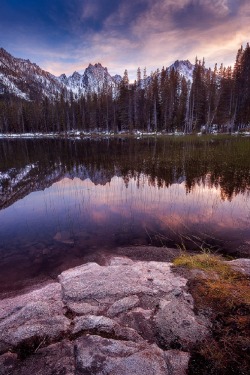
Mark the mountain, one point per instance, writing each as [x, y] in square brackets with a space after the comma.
[25, 79]
[28, 81]
[94, 79]
[117, 78]
[184, 67]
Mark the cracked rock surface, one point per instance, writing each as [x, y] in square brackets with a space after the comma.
[125, 317]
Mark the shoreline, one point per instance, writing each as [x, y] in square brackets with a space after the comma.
[85, 135]
[101, 257]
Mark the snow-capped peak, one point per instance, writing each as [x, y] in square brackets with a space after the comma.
[184, 68]
[117, 79]
[27, 80]
[94, 79]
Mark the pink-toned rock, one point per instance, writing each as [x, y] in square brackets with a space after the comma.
[32, 315]
[56, 359]
[123, 305]
[177, 361]
[8, 362]
[240, 265]
[177, 326]
[135, 305]
[97, 355]
[91, 281]
[102, 325]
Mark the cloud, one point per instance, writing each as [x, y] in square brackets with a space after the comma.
[90, 10]
[189, 27]
[65, 36]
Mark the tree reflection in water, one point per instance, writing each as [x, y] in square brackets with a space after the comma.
[62, 199]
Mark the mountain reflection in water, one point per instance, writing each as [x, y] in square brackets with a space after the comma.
[63, 200]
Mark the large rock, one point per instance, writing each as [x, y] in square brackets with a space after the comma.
[147, 297]
[177, 326]
[100, 356]
[140, 320]
[56, 359]
[102, 325]
[118, 280]
[95, 355]
[35, 315]
[123, 305]
[8, 362]
[177, 362]
[118, 317]
[83, 308]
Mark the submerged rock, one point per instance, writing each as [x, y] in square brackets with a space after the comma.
[64, 237]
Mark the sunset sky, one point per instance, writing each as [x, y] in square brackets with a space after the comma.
[62, 36]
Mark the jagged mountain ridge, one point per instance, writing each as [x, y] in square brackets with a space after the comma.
[184, 67]
[94, 78]
[28, 81]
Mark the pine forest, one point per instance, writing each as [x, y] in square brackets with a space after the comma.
[214, 100]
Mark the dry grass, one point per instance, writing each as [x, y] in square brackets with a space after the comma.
[225, 293]
[222, 283]
[204, 261]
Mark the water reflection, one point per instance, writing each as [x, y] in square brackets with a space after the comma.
[62, 200]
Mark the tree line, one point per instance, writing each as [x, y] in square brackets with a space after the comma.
[165, 101]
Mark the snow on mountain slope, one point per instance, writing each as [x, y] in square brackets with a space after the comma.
[117, 79]
[73, 83]
[25, 79]
[184, 67]
[5, 82]
[94, 79]
[28, 81]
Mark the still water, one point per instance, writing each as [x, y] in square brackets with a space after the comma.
[62, 201]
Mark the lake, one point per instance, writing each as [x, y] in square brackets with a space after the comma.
[64, 200]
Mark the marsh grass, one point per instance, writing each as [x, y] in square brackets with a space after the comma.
[225, 295]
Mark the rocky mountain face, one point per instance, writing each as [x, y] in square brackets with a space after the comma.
[184, 68]
[25, 79]
[94, 79]
[28, 81]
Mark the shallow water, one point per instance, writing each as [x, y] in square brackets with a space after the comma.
[63, 200]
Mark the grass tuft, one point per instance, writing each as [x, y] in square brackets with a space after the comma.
[204, 261]
[225, 294]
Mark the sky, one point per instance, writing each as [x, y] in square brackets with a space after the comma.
[63, 36]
